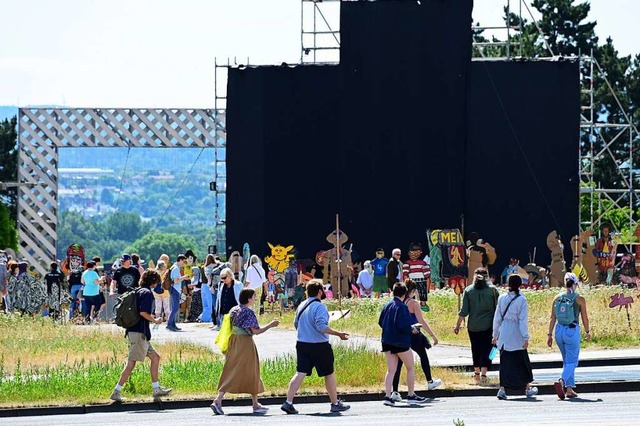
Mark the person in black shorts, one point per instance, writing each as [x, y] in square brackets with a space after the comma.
[313, 349]
[397, 328]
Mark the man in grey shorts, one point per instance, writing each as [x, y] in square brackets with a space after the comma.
[140, 338]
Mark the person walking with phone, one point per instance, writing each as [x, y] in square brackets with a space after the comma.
[567, 309]
[511, 336]
[313, 349]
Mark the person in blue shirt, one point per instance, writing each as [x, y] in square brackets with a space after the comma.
[313, 349]
[91, 291]
[397, 328]
[379, 265]
[140, 338]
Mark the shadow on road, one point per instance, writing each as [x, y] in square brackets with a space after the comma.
[578, 399]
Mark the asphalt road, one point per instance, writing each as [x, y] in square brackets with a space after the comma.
[588, 409]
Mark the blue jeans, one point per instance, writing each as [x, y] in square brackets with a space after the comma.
[175, 307]
[568, 340]
[207, 301]
[74, 294]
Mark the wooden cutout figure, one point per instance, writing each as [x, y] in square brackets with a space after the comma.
[626, 272]
[621, 301]
[584, 261]
[280, 258]
[636, 234]
[417, 270]
[604, 251]
[475, 261]
[558, 267]
[337, 264]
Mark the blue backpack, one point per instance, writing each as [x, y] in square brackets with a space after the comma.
[564, 308]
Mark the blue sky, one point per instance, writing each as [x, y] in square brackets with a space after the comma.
[160, 53]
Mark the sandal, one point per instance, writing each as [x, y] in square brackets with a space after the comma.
[217, 409]
[559, 387]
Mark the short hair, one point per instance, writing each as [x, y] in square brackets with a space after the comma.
[399, 290]
[149, 278]
[181, 257]
[314, 286]
[226, 272]
[254, 259]
[53, 266]
[91, 265]
[135, 258]
[161, 264]
[97, 259]
[396, 250]
[245, 295]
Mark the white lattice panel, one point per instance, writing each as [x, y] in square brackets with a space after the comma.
[43, 130]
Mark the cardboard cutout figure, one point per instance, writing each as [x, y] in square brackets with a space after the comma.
[337, 263]
[454, 253]
[280, 258]
[74, 263]
[584, 261]
[416, 269]
[604, 251]
[435, 258]
[558, 266]
[379, 265]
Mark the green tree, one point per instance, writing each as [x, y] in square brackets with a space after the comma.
[8, 230]
[125, 226]
[152, 245]
[9, 164]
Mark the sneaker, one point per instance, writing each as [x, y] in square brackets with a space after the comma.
[434, 384]
[288, 408]
[559, 387]
[116, 396]
[260, 410]
[389, 401]
[217, 409]
[339, 407]
[531, 392]
[160, 391]
[396, 397]
[416, 399]
[503, 395]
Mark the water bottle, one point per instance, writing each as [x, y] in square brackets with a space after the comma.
[155, 327]
[493, 353]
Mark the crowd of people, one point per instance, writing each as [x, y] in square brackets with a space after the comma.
[495, 323]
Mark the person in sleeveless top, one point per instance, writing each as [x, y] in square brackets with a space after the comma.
[419, 342]
[568, 337]
[511, 336]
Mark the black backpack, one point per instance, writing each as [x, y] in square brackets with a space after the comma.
[126, 308]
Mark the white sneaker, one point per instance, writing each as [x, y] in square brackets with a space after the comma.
[116, 396]
[531, 392]
[434, 384]
[396, 397]
[160, 392]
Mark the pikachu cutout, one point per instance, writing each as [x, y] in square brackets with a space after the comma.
[280, 258]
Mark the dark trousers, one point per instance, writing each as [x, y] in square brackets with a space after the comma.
[417, 345]
[481, 347]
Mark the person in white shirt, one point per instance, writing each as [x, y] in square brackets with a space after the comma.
[511, 336]
[256, 279]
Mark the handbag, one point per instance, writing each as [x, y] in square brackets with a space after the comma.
[224, 335]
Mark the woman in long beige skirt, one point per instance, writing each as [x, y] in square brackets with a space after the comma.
[241, 371]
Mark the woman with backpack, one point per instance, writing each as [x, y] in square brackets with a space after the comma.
[566, 310]
[511, 336]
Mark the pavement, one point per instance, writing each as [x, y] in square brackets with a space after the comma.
[616, 408]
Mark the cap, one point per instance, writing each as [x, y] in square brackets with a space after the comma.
[125, 257]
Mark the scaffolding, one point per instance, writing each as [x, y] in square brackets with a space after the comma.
[320, 44]
[320, 31]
